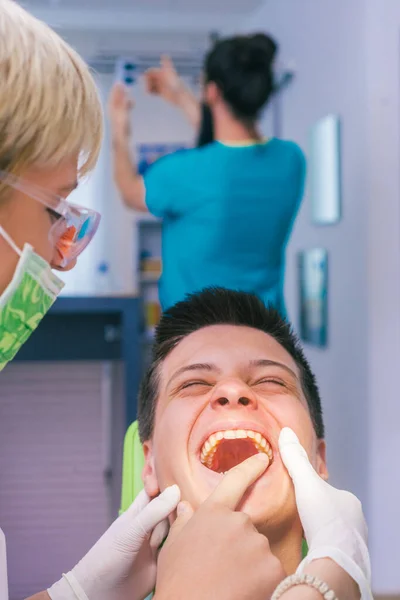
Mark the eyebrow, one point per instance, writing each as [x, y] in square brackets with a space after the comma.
[209, 367]
[264, 362]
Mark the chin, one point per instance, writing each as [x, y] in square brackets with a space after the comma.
[268, 495]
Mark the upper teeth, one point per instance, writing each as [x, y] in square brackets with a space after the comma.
[210, 445]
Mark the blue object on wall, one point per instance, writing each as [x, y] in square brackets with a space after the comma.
[127, 71]
[313, 284]
[325, 171]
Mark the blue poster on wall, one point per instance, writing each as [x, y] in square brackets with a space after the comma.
[149, 153]
[313, 288]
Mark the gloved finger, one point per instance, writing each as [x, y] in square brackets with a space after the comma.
[315, 498]
[295, 458]
[155, 512]
[140, 502]
[352, 512]
[185, 513]
[159, 534]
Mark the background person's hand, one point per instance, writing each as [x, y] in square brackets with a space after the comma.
[164, 81]
[217, 552]
[120, 105]
[332, 519]
[122, 564]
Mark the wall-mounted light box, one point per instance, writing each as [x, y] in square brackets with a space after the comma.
[325, 171]
[313, 288]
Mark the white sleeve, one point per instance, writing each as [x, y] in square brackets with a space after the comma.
[3, 568]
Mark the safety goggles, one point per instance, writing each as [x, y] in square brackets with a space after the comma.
[74, 225]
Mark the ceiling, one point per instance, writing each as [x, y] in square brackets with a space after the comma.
[220, 7]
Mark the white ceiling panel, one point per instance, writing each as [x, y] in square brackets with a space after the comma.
[228, 7]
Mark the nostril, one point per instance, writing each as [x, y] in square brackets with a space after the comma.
[223, 401]
[244, 401]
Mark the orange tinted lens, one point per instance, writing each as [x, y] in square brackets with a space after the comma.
[65, 241]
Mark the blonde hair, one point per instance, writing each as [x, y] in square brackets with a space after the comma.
[49, 103]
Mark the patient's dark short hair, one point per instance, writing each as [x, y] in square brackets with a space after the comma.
[219, 306]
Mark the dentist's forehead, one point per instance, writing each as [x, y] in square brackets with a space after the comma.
[226, 347]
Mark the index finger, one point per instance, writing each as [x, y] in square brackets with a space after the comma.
[295, 458]
[236, 482]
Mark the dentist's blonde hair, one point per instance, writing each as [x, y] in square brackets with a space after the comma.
[49, 104]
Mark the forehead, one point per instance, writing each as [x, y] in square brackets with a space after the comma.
[229, 347]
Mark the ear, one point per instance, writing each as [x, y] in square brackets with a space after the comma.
[211, 93]
[321, 466]
[149, 476]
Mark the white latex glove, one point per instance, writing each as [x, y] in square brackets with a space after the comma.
[332, 519]
[122, 564]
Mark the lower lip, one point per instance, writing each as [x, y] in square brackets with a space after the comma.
[215, 477]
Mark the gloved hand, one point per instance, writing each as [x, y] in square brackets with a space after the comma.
[332, 519]
[122, 564]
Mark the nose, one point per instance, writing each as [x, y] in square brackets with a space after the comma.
[233, 394]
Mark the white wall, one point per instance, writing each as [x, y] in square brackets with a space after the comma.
[347, 60]
[153, 121]
[382, 58]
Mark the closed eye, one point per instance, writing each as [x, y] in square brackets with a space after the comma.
[270, 380]
[190, 384]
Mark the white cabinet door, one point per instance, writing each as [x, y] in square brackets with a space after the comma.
[53, 496]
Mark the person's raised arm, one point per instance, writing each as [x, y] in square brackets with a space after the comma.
[130, 184]
[165, 82]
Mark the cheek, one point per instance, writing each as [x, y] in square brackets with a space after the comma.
[175, 420]
[34, 228]
[42, 244]
[172, 430]
[295, 415]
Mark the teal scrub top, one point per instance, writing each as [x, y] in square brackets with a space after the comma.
[227, 212]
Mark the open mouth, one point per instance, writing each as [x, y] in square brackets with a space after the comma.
[223, 450]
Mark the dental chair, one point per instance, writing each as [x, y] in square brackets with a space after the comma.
[132, 466]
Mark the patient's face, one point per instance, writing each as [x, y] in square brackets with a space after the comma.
[225, 393]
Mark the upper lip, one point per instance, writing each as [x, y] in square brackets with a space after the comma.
[246, 425]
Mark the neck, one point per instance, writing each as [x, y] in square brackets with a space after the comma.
[287, 546]
[229, 129]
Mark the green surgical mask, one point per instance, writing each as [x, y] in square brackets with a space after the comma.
[30, 294]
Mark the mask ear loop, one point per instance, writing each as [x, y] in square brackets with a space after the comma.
[10, 241]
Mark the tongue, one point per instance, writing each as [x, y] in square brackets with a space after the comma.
[230, 453]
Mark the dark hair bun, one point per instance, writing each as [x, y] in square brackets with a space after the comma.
[255, 53]
[241, 66]
[265, 45]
